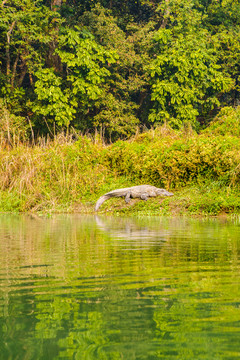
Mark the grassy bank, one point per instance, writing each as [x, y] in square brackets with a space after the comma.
[203, 171]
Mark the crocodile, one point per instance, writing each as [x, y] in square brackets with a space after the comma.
[141, 191]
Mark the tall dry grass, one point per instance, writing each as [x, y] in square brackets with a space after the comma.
[64, 173]
[54, 174]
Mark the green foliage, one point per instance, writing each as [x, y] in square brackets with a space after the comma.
[186, 77]
[64, 98]
[53, 176]
[116, 118]
[174, 162]
[227, 122]
[204, 170]
[113, 66]
[53, 102]
[85, 61]
[27, 30]
[13, 129]
[115, 112]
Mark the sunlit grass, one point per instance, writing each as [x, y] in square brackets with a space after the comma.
[63, 175]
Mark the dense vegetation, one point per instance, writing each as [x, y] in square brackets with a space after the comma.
[201, 169]
[114, 66]
[75, 76]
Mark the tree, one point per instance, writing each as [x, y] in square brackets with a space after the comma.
[115, 112]
[223, 20]
[27, 29]
[70, 94]
[114, 65]
[187, 80]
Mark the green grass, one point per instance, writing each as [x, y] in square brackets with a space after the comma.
[191, 200]
[203, 173]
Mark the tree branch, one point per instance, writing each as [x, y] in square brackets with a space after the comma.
[56, 5]
[8, 65]
[166, 14]
[14, 69]
[24, 71]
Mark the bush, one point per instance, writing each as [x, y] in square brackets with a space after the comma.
[176, 161]
[227, 122]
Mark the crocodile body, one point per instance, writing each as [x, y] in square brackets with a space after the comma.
[141, 191]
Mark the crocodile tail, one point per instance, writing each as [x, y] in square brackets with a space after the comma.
[100, 201]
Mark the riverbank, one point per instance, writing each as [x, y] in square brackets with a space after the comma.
[191, 201]
[203, 171]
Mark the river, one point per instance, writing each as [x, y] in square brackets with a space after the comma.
[110, 288]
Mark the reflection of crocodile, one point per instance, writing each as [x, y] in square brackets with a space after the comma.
[141, 191]
[137, 232]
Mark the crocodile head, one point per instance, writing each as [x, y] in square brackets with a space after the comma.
[163, 192]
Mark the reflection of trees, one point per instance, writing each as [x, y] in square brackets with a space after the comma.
[112, 288]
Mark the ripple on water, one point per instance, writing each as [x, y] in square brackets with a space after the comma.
[112, 288]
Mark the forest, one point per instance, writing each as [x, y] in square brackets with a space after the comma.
[115, 67]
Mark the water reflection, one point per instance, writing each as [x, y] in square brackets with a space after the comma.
[131, 230]
[76, 287]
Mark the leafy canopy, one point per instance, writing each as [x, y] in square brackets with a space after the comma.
[84, 69]
[185, 75]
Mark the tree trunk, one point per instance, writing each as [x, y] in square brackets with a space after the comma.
[23, 70]
[53, 59]
[56, 5]
[166, 14]
[14, 70]
[8, 65]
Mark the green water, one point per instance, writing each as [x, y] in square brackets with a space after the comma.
[74, 287]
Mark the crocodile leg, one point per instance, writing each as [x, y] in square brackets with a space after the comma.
[127, 197]
[144, 196]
